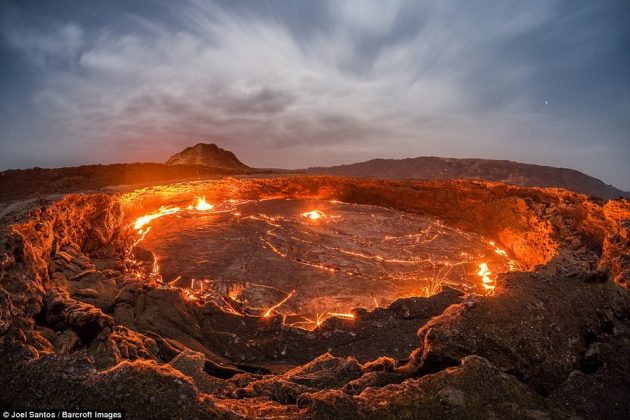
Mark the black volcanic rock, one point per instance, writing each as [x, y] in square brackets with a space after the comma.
[207, 155]
[506, 171]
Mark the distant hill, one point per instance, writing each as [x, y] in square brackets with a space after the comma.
[209, 160]
[209, 155]
[490, 170]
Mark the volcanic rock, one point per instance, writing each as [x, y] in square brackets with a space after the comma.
[191, 364]
[67, 341]
[549, 343]
[6, 311]
[82, 318]
[209, 155]
[530, 348]
[467, 391]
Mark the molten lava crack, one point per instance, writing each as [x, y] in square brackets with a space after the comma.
[310, 265]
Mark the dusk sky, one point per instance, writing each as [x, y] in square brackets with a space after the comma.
[293, 84]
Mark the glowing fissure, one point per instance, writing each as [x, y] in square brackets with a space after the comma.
[277, 305]
[143, 221]
[341, 315]
[199, 204]
[232, 301]
[484, 272]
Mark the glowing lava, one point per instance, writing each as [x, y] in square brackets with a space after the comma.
[484, 272]
[341, 315]
[200, 204]
[146, 219]
[314, 214]
[368, 258]
[277, 305]
[141, 225]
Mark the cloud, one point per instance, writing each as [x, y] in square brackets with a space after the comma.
[313, 83]
[58, 46]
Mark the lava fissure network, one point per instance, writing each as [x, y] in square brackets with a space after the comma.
[272, 256]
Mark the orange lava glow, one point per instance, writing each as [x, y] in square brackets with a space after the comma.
[200, 204]
[142, 221]
[484, 272]
[341, 315]
[310, 323]
[277, 305]
[314, 214]
[197, 290]
[190, 295]
[513, 265]
[234, 293]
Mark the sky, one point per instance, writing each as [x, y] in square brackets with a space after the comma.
[292, 84]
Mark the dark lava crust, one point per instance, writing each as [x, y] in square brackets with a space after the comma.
[77, 330]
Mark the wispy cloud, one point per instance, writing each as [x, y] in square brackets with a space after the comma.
[294, 84]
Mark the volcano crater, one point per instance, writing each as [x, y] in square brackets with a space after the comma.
[186, 295]
[317, 257]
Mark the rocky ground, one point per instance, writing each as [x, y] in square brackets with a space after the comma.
[550, 343]
[20, 184]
